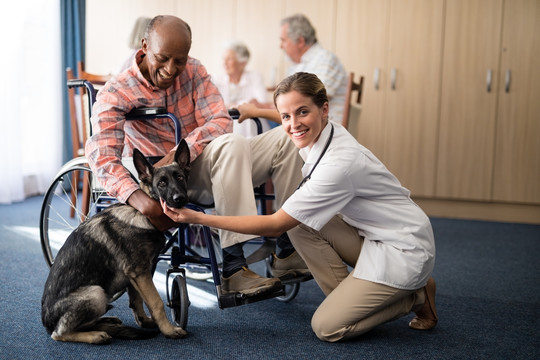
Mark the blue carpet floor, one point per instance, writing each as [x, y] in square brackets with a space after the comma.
[488, 299]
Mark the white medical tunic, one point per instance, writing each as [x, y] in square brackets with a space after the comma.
[399, 247]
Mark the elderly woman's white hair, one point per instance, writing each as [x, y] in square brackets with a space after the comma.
[239, 48]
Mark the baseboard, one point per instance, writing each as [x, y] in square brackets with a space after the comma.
[477, 210]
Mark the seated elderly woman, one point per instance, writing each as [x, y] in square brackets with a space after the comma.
[238, 85]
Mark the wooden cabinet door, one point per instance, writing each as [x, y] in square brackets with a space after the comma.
[468, 99]
[412, 92]
[398, 120]
[361, 42]
[517, 152]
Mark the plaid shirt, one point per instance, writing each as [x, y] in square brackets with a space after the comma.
[193, 98]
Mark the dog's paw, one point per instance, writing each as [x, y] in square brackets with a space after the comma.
[176, 333]
[99, 338]
[90, 337]
[145, 322]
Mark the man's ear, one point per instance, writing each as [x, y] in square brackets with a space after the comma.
[144, 168]
[144, 45]
[301, 42]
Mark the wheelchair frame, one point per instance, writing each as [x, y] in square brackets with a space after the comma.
[177, 251]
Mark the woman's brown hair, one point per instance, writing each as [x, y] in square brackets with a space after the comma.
[307, 84]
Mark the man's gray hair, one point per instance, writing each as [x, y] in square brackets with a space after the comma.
[239, 48]
[138, 31]
[157, 20]
[299, 26]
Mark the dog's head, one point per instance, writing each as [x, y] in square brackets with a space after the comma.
[167, 182]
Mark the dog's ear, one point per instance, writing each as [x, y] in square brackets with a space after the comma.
[182, 155]
[144, 168]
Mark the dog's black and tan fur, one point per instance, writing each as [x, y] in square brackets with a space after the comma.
[108, 253]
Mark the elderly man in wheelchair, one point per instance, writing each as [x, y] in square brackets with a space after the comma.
[224, 166]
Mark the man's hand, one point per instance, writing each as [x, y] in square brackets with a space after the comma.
[151, 209]
[249, 110]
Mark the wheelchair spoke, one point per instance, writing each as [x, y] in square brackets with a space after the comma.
[64, 208]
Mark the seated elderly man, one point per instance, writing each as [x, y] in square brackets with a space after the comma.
[224, 167]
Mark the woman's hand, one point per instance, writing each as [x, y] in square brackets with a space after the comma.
[182, 215]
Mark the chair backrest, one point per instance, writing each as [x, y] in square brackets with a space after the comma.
[97, 80]
[77, 137]
[352, 86]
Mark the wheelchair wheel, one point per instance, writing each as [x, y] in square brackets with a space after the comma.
[68, 202]
[197, 243]
[291, 290]
[179, 301]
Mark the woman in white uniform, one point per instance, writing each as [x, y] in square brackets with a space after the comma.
[348, 212]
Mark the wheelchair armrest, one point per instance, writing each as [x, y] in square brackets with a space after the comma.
[144, 112]
[147, 113]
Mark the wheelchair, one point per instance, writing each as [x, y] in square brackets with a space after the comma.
[75, 195]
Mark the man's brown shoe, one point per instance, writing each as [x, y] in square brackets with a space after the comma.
[290, 267]
[248, 283]
[426, 317]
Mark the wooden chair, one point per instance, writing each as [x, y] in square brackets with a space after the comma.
[352, 86]
[97, 81]
[74, 118]
[79, 126]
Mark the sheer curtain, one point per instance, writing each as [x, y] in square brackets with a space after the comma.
[30, 98]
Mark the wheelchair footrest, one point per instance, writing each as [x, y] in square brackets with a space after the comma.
[298, 279]
[237, 299]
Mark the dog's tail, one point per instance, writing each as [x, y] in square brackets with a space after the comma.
[121, 331]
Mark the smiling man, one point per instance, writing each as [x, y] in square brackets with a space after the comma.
[224, 167]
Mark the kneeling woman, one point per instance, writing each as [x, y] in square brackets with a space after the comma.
[348, 211]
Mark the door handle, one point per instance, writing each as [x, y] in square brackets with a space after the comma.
[507, 81]
[393, 78]
[376, 76]
[488, 80]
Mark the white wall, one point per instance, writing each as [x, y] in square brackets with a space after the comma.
[256, 22]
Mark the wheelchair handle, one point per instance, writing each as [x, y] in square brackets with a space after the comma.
[76, 83]
[235, 114]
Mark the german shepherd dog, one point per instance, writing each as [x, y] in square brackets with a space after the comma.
[111, 251]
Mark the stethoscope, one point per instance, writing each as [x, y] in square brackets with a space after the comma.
[304, 180]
